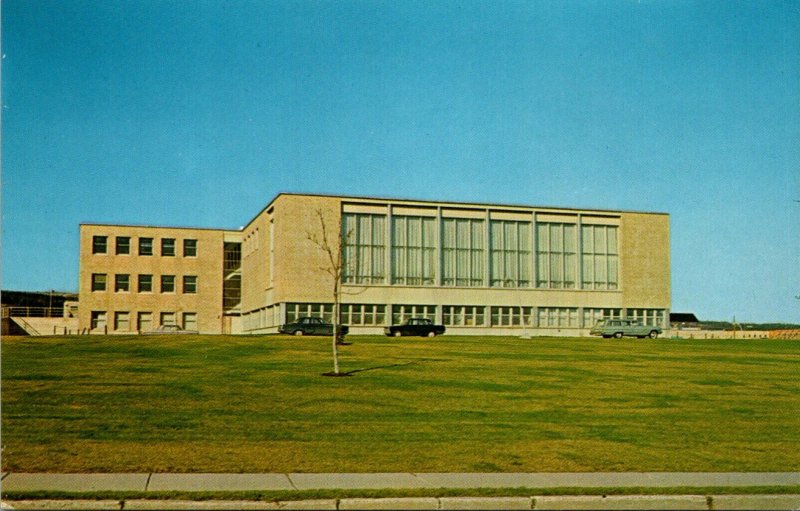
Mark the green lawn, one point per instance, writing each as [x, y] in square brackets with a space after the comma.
[450, 404]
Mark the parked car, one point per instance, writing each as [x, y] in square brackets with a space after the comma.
[169, 329]
[312, 326]
[415, 326]
[624, 328]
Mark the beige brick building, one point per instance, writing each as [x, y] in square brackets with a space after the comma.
[477, 268]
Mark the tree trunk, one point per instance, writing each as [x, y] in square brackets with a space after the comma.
[335, 330]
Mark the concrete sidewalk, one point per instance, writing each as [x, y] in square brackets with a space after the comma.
[144, 482]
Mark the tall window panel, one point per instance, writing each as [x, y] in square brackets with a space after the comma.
[364, 241]
[510, 249]
[556, 255]
[463, 249]
[600, 257]
[413, 250]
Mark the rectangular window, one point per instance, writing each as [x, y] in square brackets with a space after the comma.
[123, 245]
[232, 256]
[168, 283]
[413, 250]
[98, 281]
[651, 317]
[122, 321]
[122, 282]
[190, 321]
[146, 246]
[362, 314]
[145, 321]
[190, 284]
[463, 249]
[463, 315]
[592, 316]
[364, 242]
[511, 316]
[99, 244]
[189, 248]
[558, 317]
[402, 312]
[599, 257]
[99, 320]
[145, 283]
[168, 247]
[168, 318]
[295, 311]
[232, 292]
[510, 249]
[556, 255]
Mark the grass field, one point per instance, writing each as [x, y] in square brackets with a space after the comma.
[465, 404]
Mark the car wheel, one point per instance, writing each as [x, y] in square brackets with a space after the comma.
[397, 333]
[298, 333]
[431, 334]
[618, 335]
[653, 334]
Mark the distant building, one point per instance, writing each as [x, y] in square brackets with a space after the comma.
[477, 268]
[683, 320]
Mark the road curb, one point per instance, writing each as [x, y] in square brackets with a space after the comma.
[553, 503]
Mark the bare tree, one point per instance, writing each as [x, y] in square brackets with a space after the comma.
[330, 243]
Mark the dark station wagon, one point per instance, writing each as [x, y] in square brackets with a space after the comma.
[415, 326]
[312, 326]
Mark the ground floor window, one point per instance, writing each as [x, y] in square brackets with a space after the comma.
[262, 318]
[145, 321]
[464, 315]
[511, 315]
[122, 321]
[653, 317]
[592, 316]
[99, 319]
[168, 318]
[402, 312]
[190, 321]
[362, 314]
[558, 317]
[295, 311]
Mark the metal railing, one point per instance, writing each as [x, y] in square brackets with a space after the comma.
[33, 312]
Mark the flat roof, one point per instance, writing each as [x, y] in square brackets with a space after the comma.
[476, 205]
[145, 226]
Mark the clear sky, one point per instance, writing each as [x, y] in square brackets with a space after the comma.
[197, 113]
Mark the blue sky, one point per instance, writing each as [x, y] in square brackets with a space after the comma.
[197, 113]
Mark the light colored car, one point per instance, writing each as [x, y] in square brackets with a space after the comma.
[620, 328]
[170, 329]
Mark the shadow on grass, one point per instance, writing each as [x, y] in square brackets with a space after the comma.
[354, 371]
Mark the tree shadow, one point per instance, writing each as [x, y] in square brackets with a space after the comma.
[354, 371]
